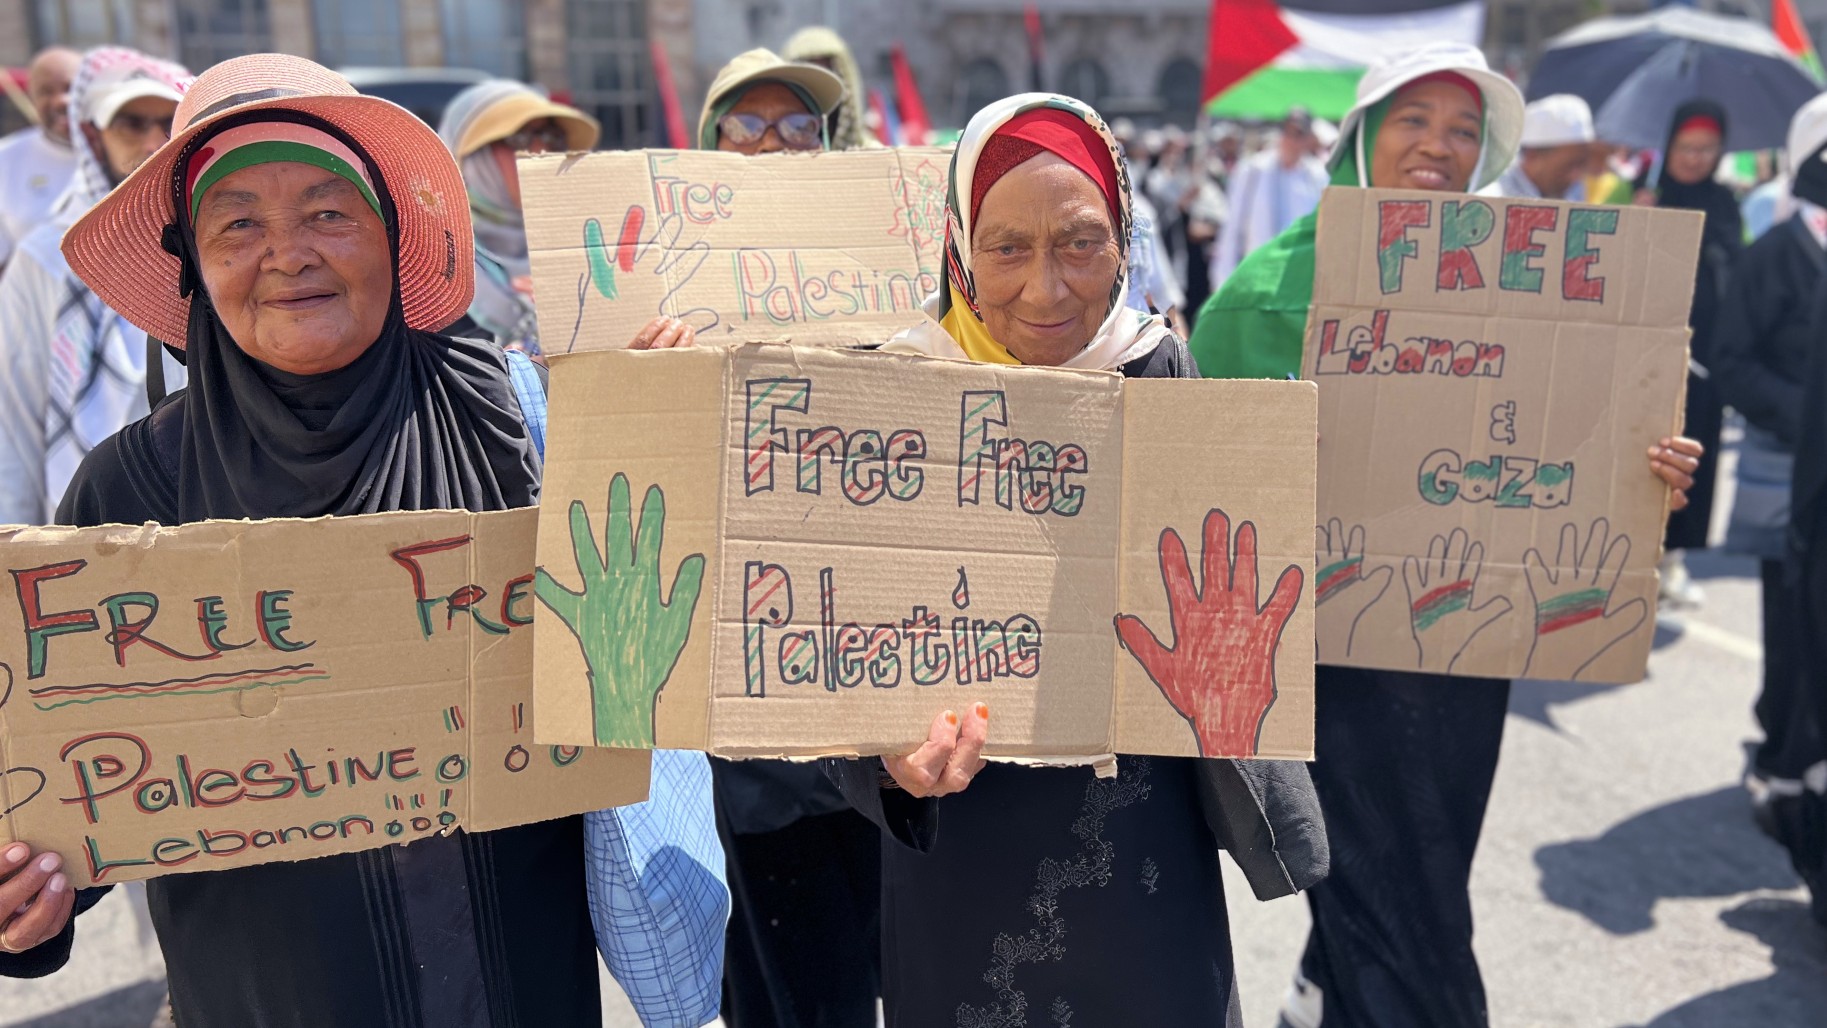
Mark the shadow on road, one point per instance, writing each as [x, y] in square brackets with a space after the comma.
[131, 1007]
[1716, 563]
[1694, 847]
[1531, 699]
[1794, 995]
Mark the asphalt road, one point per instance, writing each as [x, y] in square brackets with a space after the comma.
[1620, 881]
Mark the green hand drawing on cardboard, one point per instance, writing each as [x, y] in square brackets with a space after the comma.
[630, 635]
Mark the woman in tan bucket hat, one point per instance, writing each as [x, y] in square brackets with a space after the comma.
[302, 244]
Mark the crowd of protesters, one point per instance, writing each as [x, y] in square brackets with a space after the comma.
[214, 306]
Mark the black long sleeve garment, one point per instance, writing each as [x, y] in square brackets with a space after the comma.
[1049, 897]
[473, 930]
[1763, 334]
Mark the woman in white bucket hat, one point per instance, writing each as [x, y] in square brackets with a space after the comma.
[1404, 761]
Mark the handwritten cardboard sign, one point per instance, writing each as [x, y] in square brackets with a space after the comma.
[773, 550]
[232, 693]
[1492, 373]
[828, 249]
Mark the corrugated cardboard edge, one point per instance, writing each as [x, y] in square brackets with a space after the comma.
[714, 569]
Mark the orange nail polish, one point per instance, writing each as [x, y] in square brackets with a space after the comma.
[951, 719]
[983, 711]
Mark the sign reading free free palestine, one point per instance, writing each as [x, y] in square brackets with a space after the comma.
[777, 550]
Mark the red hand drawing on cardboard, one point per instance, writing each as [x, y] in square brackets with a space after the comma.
[1220, 671]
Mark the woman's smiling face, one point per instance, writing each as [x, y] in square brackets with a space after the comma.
[1431, 139]
[297, 265]
[1045, 257]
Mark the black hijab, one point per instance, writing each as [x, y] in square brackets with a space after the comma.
[1724, 223]
[418, 422]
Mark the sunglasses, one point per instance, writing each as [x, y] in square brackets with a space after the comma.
[139, 124]
[799, 130]
[538, 139]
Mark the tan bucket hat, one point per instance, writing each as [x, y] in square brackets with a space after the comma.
[117, 246]
[764, 65]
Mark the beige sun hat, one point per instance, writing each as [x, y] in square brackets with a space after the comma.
[764, 65]
[116, 248]
[511, 107]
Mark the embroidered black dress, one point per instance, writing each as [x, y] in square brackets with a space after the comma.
[1049, 898]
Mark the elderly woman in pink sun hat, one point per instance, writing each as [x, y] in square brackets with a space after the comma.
[302, 244]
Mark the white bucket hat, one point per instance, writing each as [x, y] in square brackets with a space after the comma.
[1807, 131]
[1559, 120]
[1503, 104]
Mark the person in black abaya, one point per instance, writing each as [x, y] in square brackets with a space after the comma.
[1696, 142]
[1763, 338]
[1799, 818]
[1046, 895]
[302, 286]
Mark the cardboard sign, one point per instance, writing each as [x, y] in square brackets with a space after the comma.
[773, 550]
[233, 693]
[1492, 374]
[827, 249]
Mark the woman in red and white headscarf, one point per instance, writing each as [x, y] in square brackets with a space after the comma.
[1024, 895]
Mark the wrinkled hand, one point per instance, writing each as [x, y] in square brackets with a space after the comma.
[1575, 622]
[630, 635]
[664, 333]
[1675, 460]
[949, 758]
[36, 898]
[1220, 672]
[1440, 593]
[1342, 587]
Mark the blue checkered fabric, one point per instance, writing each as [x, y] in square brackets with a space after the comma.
[658, 896]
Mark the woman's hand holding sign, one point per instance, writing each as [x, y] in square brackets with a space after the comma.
[664, 333]
[1220, 672]
[36, 898]
[948, 760]
[1675, 460]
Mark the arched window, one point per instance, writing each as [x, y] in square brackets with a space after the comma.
[1179, 88]
[1085, 79]
[984, 82]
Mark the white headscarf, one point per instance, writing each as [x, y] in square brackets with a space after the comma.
[956, 329]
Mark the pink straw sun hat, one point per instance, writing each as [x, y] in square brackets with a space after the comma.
[117, 246]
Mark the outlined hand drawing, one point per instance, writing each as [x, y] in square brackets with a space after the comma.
[1576, 617]
[1441, 591]
[1341, 585]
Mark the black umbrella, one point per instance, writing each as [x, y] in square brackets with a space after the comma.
[1636, 71]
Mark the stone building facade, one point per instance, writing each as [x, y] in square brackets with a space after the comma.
[593, 51]
[1139, 58]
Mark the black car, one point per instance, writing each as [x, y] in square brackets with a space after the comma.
[423, 91]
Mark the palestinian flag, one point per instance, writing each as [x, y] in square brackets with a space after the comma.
[1264, 57]
[1794, 36]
